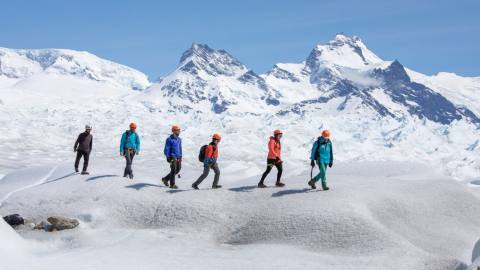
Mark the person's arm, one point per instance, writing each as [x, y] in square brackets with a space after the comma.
[122, 143]
[271, 148]
[314, 151]
[181, 152]
[209, 154]
[137, 142]
[166, 149]
[77, 142]
[331, 155]
[209, 151]
[91, 144]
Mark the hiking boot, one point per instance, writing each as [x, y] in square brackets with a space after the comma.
[312, 184]
[174, 187]
[85, 173]
[261, 185]
[279, 184]
[324, 186]
[216, 186]
[76, 170]
[195, 187]
[165, 181]
[131, 176]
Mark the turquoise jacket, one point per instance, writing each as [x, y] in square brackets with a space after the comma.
[130, 140]
[322, 151]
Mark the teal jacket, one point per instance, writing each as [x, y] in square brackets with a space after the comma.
[130, 140]
[322, 151]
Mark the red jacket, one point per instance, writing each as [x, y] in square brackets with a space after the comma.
[274, 149]
[210, 152]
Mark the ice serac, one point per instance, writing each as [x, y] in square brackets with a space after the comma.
[214, 78]
[21, 64]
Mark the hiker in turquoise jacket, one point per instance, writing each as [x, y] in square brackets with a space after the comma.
[322, 153]
[130, 140]
[129, 147]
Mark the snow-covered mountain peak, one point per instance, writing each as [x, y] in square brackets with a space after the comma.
[213, 78]
[200, 57]
[21, 64]
[394, 72]
[342, 51]
[341, 39]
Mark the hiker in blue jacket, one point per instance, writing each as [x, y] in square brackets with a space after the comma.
[129, 147]
[322, 153]
[173, 153]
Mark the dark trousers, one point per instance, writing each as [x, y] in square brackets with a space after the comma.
[206, 170]
[129, 155]
[270, 164]
[86, 157]
[175, 167]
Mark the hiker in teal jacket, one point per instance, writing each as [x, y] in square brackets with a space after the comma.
[129, 147]
[130, 140]
[322, 153]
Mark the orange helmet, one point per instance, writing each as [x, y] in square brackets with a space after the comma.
[216, 136]
[326, 134]
[175, 128]
[133, 125]
[277, 132]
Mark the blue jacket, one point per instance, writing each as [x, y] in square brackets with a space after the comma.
[322, 151]
[132, 142]
[173, 147]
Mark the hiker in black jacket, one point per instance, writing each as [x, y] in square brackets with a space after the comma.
[83, 147]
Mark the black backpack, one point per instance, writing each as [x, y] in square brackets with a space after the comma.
[201, 155]
[14, 220]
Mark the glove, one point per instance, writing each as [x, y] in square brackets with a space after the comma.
[74, 149]
[122, 154]
[169, 159]
[137, 153]
[312, 163]
[330, 164]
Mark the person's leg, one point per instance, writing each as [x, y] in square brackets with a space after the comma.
[206, 170]
[321, 168]
[127, 164]
[179, 166]
[86, 158]
[167, 177]
[77, 160]
[129, 159]
[264, 175]
[217, 175]
[173, 169]
[130, 171]
[323, 175]
[280, 171]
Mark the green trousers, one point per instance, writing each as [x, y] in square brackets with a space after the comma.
[322, 175]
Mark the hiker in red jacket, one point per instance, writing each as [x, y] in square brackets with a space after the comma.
[210, 162]
[274, 159]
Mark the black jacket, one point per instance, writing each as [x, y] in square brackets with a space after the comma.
[84, 142]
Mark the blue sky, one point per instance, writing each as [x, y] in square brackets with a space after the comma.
[425, 35]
